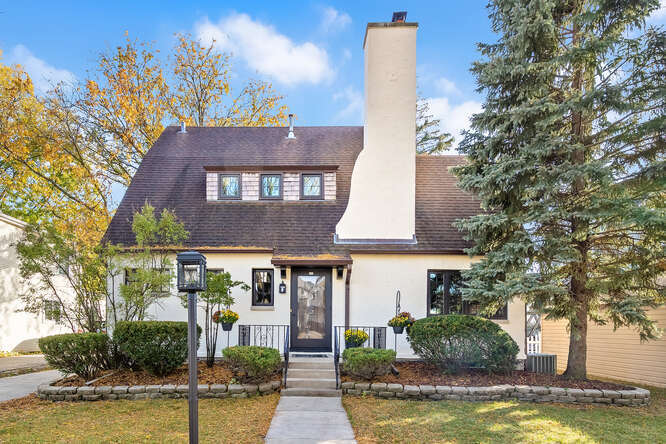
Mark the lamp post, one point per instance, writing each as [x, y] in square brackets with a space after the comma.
[192, 278]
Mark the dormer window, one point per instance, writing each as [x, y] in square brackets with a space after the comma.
[311, 186]
[229, 186]
[271, 186]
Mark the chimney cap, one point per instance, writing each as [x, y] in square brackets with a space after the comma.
[183, 128]
[399, 17]
[291, 135]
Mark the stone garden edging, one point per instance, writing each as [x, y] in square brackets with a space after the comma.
[134, 392]
[634, 397]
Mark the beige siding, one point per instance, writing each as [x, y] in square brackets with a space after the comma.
[211, 186]
[291, 183]
[250, 186]
[613, 354]
[329, 186]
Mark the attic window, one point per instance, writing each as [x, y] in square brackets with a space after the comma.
[271, 186]
[311, 186]
[229, 186]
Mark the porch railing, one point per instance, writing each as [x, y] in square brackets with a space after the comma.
[376, 339]
[274, 336]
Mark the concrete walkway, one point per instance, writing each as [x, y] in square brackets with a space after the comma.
[20, 363]
[310, 419]
[13, 387]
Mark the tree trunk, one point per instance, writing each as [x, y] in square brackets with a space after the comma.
[577, 359]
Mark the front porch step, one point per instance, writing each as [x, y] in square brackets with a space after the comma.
[329, 393]
[311, 373]
[313, 364]
[310, 383]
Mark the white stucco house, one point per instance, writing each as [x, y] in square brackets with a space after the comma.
[326, 224]
[19, 330]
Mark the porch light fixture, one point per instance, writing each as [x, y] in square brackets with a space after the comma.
[191, 275]
[283, 288]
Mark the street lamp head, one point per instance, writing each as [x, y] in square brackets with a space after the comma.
[191, 271]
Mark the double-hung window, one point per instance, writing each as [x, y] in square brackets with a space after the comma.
[271, 186]
[262, 287]
[445, 296]
[229, 186]
[311, 186]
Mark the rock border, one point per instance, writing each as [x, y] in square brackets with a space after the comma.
[634, 397]
[168, 391]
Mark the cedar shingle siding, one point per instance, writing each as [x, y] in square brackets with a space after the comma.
[172, 176]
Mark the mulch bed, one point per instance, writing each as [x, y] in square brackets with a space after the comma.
[420, 373]
[219, 373]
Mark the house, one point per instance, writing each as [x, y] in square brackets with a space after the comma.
[327, 224]
[20, 330]
[613, 354]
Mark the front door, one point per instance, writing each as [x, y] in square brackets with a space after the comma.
[310, 309]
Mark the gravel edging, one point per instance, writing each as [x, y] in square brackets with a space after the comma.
[634, 397]
[134, 392]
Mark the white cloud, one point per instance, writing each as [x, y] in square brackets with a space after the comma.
[44, 76]
[267, 51]
[334, 20]
[661, 12]
[446, 86]
[353, 108]
[453, 118]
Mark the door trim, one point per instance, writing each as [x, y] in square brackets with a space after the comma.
[323, 345]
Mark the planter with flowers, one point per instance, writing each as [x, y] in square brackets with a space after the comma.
[225, 317]
[355, 338]
[400, 321]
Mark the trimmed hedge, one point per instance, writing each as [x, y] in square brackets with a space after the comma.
[251, 363]
[367, 362]
[159, 347]
[454, 342]
[85, 354]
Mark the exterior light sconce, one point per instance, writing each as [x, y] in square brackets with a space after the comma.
[340, 272]
[283, 288]
[191, 274]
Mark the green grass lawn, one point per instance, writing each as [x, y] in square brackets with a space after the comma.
[379, 420]
[164, 421]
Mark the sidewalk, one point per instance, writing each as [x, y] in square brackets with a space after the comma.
[16, 365]
[301, 420]
[13, 387]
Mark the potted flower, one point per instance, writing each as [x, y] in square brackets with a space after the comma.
[400, 321]
[355, 338]
[225, 317]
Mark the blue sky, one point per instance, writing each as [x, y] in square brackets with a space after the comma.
[310, 50]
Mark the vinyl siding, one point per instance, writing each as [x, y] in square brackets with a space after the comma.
[612, 354]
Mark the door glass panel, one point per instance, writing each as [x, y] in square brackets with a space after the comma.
[311, 307]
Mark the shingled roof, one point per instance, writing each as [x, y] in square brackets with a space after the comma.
[172, 176]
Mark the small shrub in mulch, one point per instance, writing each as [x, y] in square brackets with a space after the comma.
[251, 363]
[367, 362]
[422, 373]
[85, 354]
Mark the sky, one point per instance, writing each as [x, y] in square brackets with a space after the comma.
[310, 51]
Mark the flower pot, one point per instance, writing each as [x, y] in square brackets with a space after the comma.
[398, 330]
[227, 326]
[349, 344]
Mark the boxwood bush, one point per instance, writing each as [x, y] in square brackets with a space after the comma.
[159, 347]
[85, 354]
[251, 363]
[367, 362]
[454, 342]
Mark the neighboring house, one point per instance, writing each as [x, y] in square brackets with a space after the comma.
[614, 354]
[19, 330]
[325, 223]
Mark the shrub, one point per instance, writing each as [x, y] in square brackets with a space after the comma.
[251, 363]
[367, 362]
[159, 347]
[453, 342]
[85, 354]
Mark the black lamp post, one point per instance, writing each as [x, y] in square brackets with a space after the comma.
[192, 278]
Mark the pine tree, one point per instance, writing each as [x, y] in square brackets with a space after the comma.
[429, 137]
[567, 158]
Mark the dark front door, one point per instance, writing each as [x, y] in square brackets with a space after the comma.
[310, 309]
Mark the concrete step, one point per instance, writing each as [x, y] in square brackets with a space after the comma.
[312, 364]
[310, 383]
[329, 393]
[311, 373]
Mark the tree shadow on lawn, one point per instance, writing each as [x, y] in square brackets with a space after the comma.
[376, 420]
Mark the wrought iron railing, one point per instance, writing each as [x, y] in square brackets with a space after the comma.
[273, 336]
[286, 355]
[376, 339]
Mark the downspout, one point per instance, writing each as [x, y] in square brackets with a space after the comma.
[347, 295]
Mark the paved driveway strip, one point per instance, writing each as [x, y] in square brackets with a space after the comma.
[301, 420]
[13, 387]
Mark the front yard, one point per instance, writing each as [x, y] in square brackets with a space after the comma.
[378, 420]
[220, 420]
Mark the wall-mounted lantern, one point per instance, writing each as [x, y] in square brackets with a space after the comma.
[283, 288]
[191, 276]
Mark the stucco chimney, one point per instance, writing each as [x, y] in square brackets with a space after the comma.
[381, 204]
